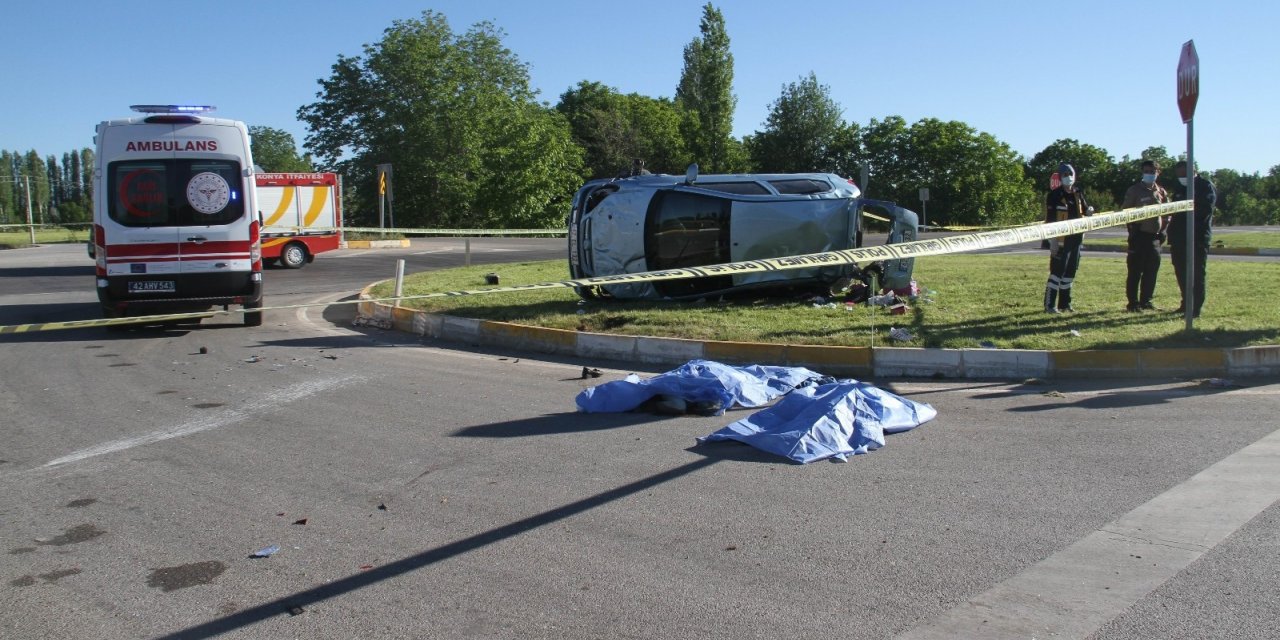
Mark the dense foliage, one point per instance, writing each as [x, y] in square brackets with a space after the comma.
[470, 146]
[55, 191]
[456, 118]
[275, 151]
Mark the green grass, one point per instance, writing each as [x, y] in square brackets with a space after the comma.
[1242, 240]
[49, 235]
[971, 300]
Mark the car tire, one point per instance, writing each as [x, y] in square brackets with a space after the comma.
[293, 256]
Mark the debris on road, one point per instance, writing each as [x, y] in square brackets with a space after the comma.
[301, 521]
[591, 373]
[366, 321]
[266, 552]
[253, 359]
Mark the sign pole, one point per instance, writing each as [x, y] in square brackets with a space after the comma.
[31, 227]
[1189, 308]
[1188, 95]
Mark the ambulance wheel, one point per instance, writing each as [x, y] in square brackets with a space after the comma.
[253, 318]
[293, 256]
[108, 313]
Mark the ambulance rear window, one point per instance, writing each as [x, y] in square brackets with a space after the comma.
[179, 192]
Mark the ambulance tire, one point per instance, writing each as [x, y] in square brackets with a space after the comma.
[253, 318]
[293, 255]
[109, 313]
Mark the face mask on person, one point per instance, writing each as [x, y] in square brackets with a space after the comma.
[1149, 178]
[1068, 181]
[1182, 181]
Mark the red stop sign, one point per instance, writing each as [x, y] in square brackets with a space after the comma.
[1188, 80]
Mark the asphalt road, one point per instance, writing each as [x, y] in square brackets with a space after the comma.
[418, 489]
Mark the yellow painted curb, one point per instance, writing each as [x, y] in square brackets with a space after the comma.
[849, 361]
[1183, 361]
[528, 337]
[1093, 362]
[743, 352]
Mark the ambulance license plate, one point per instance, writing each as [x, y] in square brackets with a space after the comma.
[152, 286]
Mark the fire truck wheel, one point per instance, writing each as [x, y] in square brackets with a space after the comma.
[293, 256]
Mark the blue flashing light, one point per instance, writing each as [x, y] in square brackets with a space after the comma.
[172, 108]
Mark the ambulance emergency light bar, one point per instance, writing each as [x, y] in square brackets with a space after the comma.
[173, 108]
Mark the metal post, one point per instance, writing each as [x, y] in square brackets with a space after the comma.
[399, 280]
[342, 236]
[468, 252]
[382, 210]
[31, 227]
[1189, 282]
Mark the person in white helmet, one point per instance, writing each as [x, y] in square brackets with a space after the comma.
[1064, 203]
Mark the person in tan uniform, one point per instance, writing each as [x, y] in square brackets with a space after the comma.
[1145, 238]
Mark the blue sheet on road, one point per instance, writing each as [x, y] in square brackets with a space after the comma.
[829, 421]
[698, 381]
[818, 417]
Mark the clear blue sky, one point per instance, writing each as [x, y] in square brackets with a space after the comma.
[1027, 73]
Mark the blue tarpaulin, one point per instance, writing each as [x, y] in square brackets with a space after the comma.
[829, 421]
[817, 419]
[698, 382]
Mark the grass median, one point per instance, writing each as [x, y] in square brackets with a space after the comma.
[48, 235]
[970, 301]
[1241, 240]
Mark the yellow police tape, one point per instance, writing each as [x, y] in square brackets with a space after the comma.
[447, 232]
[914, 249]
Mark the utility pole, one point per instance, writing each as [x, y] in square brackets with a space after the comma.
[31, 227]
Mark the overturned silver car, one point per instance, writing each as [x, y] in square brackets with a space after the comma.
[654, 222]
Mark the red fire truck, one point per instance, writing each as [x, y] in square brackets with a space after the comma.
[301, 216]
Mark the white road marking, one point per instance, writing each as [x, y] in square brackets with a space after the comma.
[222, 419]
[1075, 591]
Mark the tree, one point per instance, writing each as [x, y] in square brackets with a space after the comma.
[455, 117]
[33, 172]
[803, 131]
[705, 94]
[613, 129]
[1092, 164]
[276, 152]
[972, 177]
[8, 188]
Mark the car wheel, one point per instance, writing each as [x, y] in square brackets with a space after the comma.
[293, 256]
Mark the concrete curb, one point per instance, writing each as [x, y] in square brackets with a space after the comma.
[376, 244]
[856, 362]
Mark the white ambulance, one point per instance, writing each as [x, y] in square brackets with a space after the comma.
[175, 215]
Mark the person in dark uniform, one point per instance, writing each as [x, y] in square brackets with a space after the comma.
[1145, 238]
[1206, 198]
[1064, 203]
